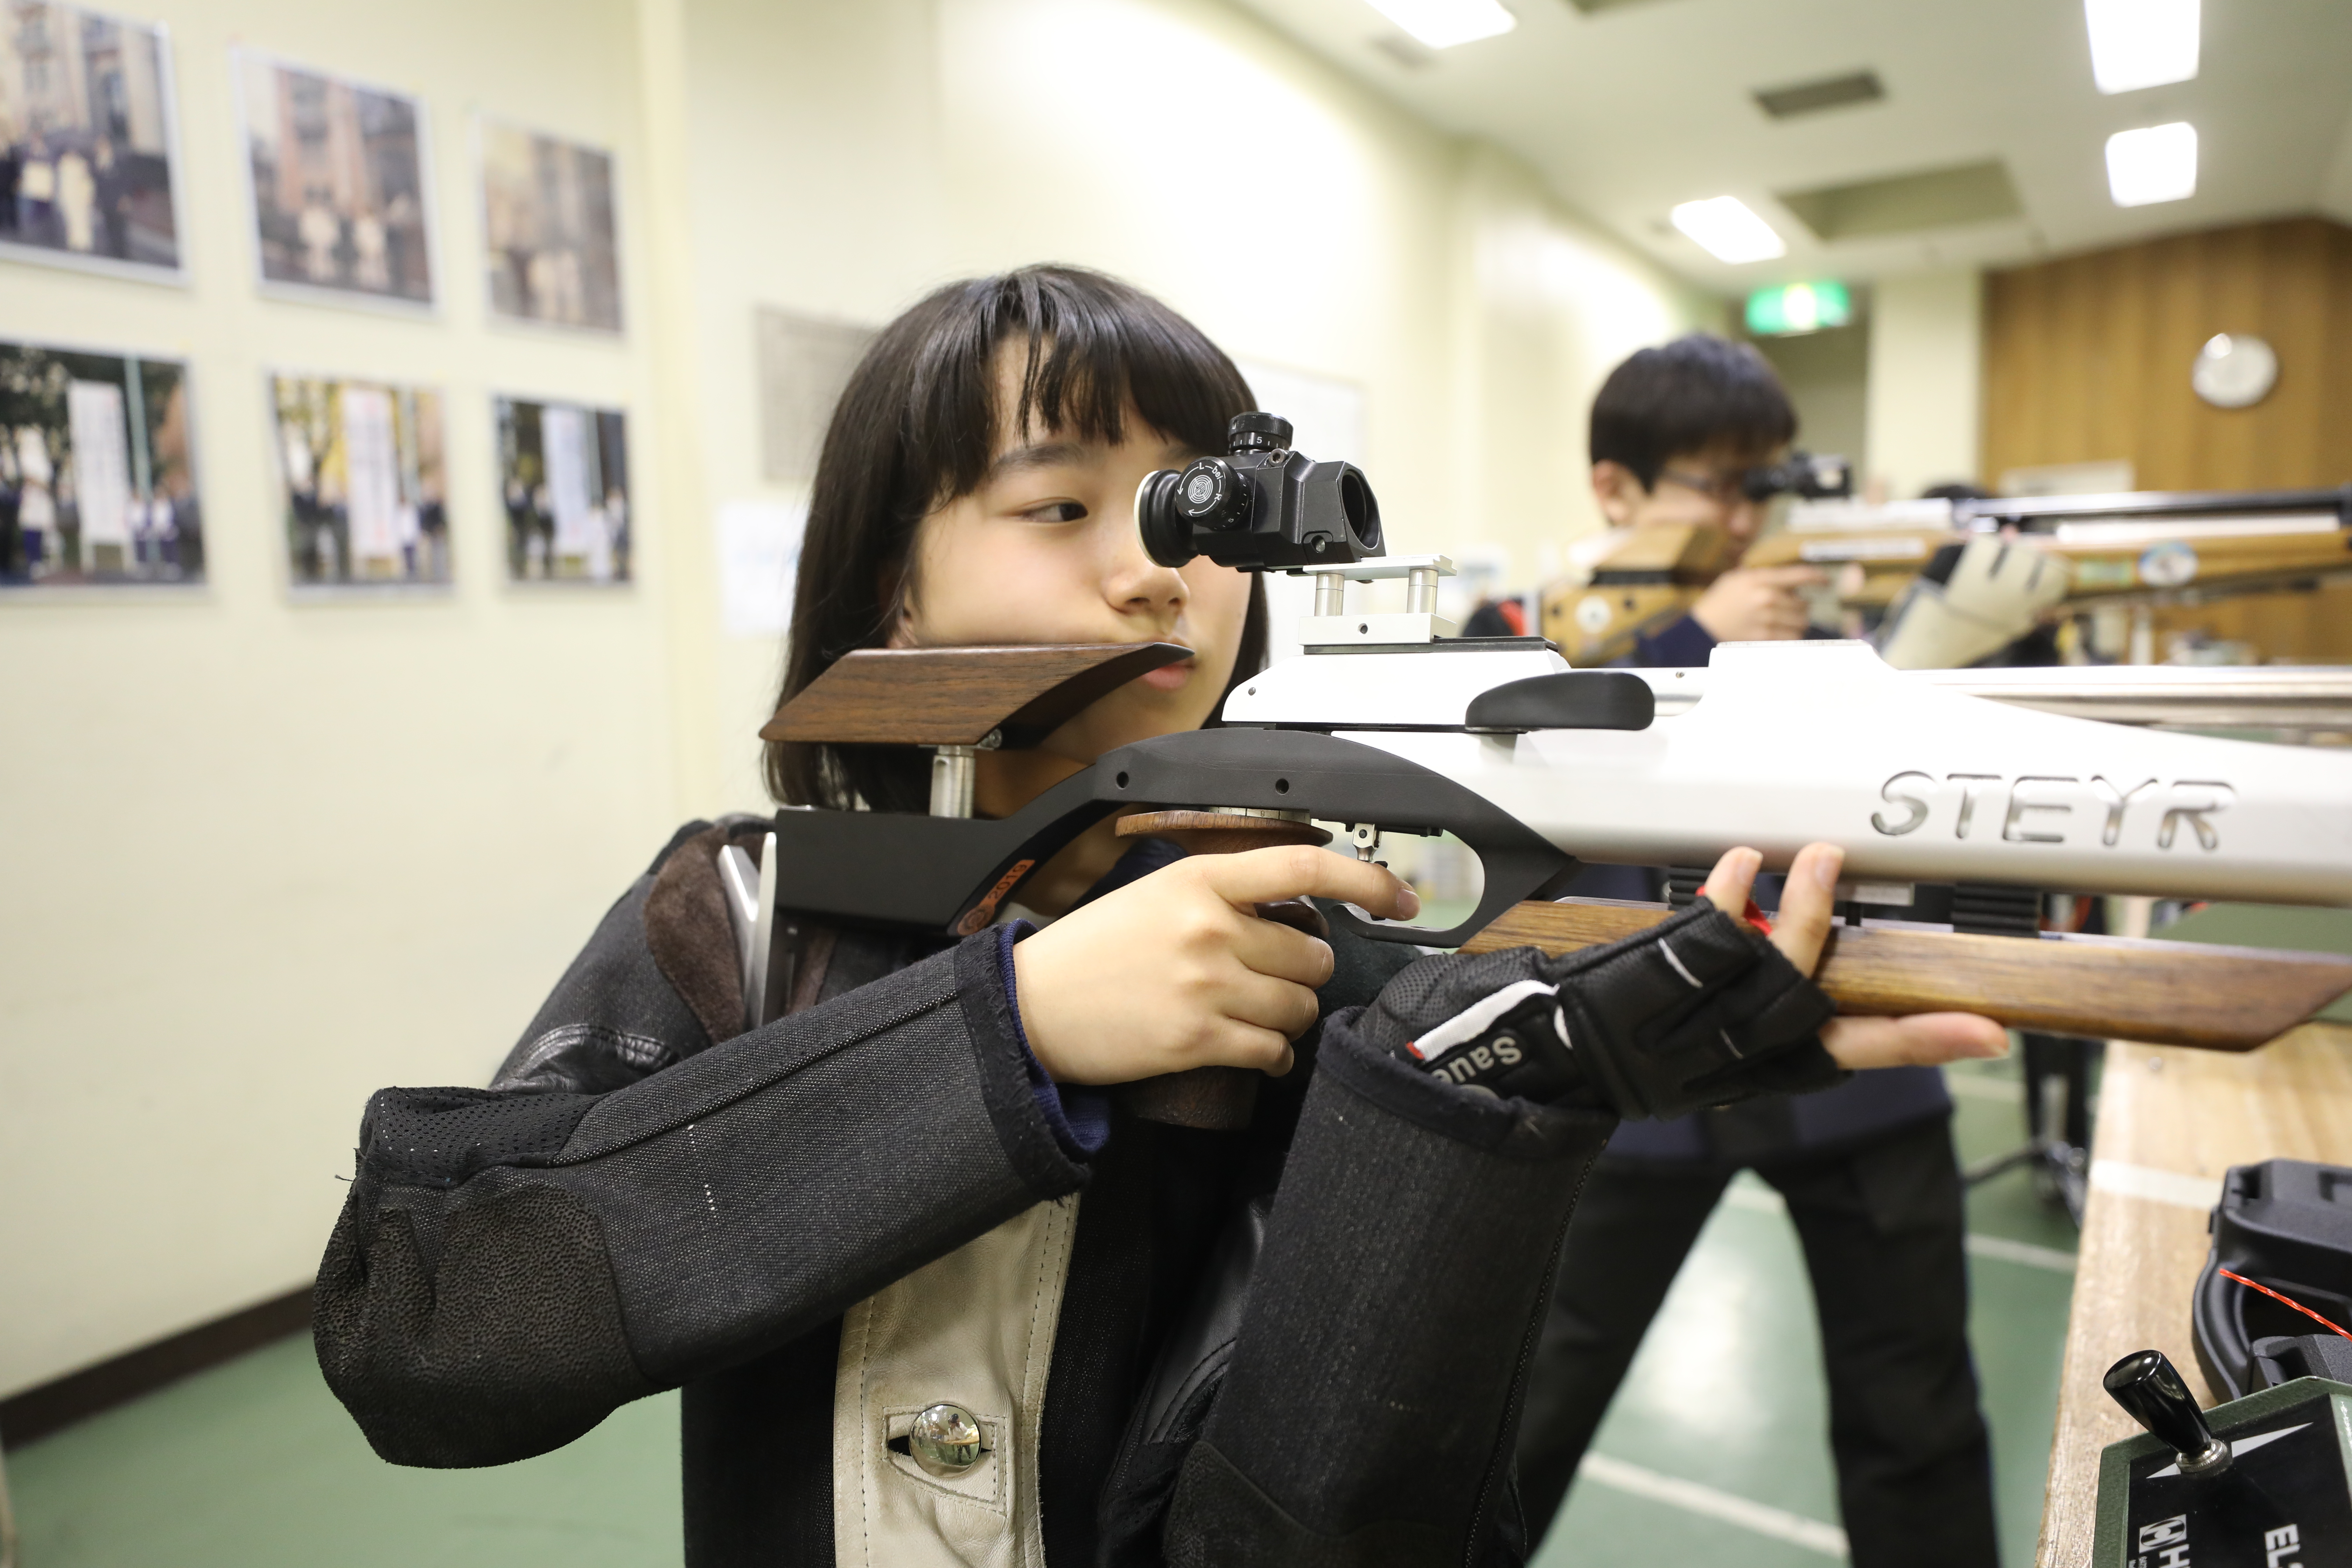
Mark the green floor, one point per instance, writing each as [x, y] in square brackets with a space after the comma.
[254, 1465]
[1738, 1405]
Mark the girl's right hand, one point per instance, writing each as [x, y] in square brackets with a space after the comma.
[1177, 970]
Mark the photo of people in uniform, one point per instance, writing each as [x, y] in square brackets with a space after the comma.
[97, 485]
[339, 197]
[563, 476]
[362, 465]
[548, 229]
[85, 138]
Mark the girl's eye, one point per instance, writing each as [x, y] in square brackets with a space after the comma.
[1057, 511]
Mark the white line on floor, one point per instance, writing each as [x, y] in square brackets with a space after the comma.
[1691, 1497]
[2025, 1252]
[1763, 1200]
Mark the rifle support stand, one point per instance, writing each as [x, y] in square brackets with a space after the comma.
[2057, 1147]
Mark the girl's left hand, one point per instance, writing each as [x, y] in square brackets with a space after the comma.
[1799, 930]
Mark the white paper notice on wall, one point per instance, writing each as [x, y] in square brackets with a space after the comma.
[1326, 414]
[371, 475]
[101, 461]
[758, 556]
[563, 438]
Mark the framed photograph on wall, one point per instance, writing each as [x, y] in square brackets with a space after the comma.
[551, 242]
[338, 177]
[564, 484]
[98, 479]
[87, 175]
[361, 467]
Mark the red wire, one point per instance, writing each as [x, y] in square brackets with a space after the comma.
[1754, 917]
[2228, 1274]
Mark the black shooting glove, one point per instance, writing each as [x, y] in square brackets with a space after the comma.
[1699, 1011]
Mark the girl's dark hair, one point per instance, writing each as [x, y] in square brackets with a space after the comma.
[1698, 393]
[918, 426]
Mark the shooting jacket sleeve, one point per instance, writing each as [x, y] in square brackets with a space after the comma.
[1369, 1410]
[509, 1267]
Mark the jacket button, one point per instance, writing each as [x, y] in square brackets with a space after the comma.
[946, 1440]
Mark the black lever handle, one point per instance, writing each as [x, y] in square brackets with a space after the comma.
[2147, 1386]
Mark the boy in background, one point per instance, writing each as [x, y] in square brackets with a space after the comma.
[1867, 1167]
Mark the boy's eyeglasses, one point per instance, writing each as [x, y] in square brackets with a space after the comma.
[1803, 475]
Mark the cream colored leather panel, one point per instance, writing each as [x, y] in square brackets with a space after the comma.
[974, 1328]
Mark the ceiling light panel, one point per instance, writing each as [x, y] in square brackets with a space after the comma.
[2157, 164]
[1726, 229]
[1442, 24]
[2141, 43]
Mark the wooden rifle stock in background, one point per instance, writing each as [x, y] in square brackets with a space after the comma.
[1650, 577]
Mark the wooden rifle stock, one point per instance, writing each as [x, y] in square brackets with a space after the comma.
[2159, 993]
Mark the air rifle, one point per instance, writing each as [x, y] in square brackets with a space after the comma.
[1390, 724]
[2137, 549]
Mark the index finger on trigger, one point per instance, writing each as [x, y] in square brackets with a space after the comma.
[1807, 899]
[1298, 870]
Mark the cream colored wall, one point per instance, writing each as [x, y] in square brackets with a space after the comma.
[1547, 306]
[375, 832]
[1926, 377]
[1181, 144]
[261, 857]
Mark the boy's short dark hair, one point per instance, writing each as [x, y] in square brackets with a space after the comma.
[1698, 393]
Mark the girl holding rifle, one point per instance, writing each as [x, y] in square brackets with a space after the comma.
[931, 1296]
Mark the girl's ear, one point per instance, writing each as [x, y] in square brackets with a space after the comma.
[890, 591]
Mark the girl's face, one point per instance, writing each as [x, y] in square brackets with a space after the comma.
[1046, 551]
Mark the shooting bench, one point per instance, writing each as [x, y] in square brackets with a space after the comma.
[2171, 1120]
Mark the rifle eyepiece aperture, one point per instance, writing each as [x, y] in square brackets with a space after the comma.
[1261, 507]
[1803, 475]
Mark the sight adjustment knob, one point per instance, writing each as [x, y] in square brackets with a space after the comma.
[1211, 494]
[1259, 432]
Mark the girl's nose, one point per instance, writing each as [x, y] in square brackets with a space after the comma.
[1132, 582]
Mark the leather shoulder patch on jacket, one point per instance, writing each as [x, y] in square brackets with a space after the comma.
[691, 937]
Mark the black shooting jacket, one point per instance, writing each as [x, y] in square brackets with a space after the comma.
[652, 1198]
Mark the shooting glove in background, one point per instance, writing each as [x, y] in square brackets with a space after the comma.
[1699, 1011]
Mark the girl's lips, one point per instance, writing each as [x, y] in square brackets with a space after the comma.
[1168, 677]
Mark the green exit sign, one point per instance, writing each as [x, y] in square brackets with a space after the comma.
[1797, 308]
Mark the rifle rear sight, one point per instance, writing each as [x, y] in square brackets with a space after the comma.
[1261, 507]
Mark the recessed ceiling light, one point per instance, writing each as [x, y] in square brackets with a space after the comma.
[2141, 43]
[2157, 164]
[1442, 24]
[1727, 231]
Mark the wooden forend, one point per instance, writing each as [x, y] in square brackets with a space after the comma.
[2167, 993]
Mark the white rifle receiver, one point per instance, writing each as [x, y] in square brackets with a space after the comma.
[1920, 776]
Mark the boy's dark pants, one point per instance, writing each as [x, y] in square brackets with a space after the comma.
[1883, 1230]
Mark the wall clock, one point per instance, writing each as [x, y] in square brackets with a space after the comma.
[2234, 370]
